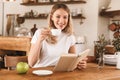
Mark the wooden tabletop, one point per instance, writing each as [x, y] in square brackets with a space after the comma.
[90, 73]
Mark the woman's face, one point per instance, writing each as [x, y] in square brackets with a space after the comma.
[60, 18]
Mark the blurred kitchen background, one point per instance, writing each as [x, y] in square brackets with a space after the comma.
[25, 16]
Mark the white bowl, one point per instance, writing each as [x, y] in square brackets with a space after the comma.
[110, 59]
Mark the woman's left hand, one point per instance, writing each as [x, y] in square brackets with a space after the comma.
[82, 64]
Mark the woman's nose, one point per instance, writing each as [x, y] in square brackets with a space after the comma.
[61, 20]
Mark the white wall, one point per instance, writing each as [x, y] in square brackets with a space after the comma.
[1, 17]
[103, 22]
[89, 28]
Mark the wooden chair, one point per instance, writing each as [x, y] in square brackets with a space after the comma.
[11, 61]
[15, 44]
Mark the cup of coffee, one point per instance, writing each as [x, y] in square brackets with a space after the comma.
[56, 32]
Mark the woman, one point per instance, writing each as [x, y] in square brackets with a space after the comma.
[46, 48]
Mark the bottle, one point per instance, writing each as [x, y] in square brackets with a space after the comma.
[31, 13]
[33, 29]
[36, 1]
[25, 1]
[118, 60]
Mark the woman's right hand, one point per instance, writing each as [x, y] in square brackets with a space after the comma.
[44, 33]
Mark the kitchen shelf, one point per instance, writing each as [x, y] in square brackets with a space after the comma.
[78, 17]
[110, 13]
[74, 17]
[51, 3]
[35, 17]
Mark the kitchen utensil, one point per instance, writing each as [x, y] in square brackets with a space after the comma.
[113, 27]
[25, 1]
[110, 49]
[116, 34]
[8, 27]
[20, 20]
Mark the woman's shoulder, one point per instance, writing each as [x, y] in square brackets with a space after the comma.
[72, 38]
[37, 32]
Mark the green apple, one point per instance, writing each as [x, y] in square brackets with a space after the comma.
[22, 67]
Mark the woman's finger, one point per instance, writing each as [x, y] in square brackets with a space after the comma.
[82, 64]
[45, 31]
[85, 59]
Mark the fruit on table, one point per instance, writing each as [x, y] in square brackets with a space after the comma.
[22, 67]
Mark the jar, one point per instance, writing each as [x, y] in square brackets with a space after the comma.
[25, 1]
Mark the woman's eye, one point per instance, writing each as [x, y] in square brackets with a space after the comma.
[65, 17]
[57, 16]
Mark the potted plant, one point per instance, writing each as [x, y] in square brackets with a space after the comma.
[116, 43]
[100, 49]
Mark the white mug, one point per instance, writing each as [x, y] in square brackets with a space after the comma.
[56, 32]
[118, 60]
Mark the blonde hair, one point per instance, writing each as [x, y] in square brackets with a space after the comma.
[68, 29]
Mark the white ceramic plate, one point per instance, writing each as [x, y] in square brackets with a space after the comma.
[42, 72]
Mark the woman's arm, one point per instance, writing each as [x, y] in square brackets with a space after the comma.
[34, 53]
[72, 49]
[35, 49]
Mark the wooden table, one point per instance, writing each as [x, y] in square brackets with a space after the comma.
[90, 73]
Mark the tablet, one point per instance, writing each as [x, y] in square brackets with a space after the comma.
[68, 62]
